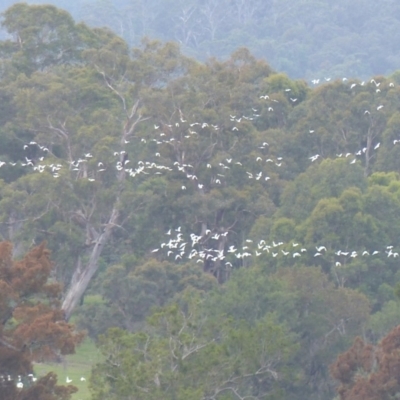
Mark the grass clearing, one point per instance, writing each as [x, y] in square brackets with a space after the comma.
[74, 367]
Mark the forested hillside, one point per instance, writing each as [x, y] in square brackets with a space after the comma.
[306, 39]
[234, 228]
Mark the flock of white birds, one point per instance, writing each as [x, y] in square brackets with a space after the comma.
[28, 380]
[176, 247]
[179, 248]
[165, 136]
[6, 379]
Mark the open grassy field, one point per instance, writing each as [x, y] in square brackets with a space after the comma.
[75, 366]
[78, 365]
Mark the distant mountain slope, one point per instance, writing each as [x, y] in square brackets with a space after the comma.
[306, 39]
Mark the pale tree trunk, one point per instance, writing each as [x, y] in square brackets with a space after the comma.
[368, 152]
[371, 135]
[83, 274]
[14, 226]
[213, 16]
[218, 268]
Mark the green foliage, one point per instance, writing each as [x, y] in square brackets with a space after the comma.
[140, 289]
[306, 39]
[251, 217]
[185, 354]
[42, 36]
[323, 318]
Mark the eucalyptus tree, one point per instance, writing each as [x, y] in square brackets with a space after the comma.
[185, 353]
[78, 114]
[206, 129]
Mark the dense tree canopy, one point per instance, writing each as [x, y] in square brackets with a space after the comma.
[235, 228]
[306, 39]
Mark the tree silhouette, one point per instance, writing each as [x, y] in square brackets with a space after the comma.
[32, 326]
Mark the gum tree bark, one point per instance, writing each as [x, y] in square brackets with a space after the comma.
[84, 273]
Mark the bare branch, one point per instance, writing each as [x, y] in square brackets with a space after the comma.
[196, 349]
[10, 346]
[112, 88]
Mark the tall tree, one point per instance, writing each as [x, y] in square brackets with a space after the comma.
[40, 36]
[63, 123]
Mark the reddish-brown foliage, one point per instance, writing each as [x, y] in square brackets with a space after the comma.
[367, 372]
[32, 325]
